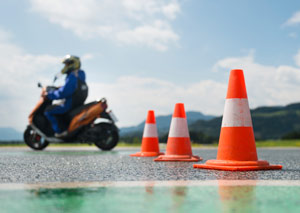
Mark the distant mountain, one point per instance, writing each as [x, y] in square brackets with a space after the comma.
[10, 134]
[268, 122]
[272, 122]
[163, 123]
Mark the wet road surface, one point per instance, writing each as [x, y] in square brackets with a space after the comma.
[90, 165]
[88, 180]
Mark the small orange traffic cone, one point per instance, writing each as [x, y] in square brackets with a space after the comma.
[178, 145]
[150, 147]
[237, 149]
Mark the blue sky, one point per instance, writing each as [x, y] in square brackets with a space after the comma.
[150, 54]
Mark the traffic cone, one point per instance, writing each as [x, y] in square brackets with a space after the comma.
[178, 145]
[237, 149]
[150, 147]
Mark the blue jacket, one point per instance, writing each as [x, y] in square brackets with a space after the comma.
[66, 92]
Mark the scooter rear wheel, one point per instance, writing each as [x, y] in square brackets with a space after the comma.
[107, 137]
[34, 140]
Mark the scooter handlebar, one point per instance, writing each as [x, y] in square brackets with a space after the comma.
[50, 88]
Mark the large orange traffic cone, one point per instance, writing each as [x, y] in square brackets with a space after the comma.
[237, 149]
[150, 147]
[178, 145]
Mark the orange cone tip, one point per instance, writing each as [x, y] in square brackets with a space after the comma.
[237, 149]
[150, 145]
[178, 145]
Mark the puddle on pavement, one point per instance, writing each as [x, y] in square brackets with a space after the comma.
[150, 198]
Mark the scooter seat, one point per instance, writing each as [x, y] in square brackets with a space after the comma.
[70, 115]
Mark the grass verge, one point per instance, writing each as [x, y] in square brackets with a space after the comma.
[267, 143]
[278, 143]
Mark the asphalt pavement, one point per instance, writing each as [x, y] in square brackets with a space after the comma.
[22, 165]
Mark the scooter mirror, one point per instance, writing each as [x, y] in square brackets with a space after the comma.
[57, 76]
[39, 85]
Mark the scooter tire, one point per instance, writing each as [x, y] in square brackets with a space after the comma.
[112, 139]
[34, 140]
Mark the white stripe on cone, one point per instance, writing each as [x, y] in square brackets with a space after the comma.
[179, 128]
[236, 113]
[150, 131]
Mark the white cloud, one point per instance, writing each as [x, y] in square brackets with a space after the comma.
[130, 97]
[124, 21]
[5, 35]
[294, 20]
[19, 75]
[87, 57]
[266, 85]
[157, 36]
[171, 10]
[20, 71]
[293, 35]
[297, 58]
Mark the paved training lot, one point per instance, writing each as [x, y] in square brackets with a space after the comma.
[92, 165]
[84, 179]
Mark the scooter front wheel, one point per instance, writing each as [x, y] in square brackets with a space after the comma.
[34, 140]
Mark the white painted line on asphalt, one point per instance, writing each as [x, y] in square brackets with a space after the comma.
[56, 185]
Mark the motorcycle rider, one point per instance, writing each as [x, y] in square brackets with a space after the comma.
[74, 92]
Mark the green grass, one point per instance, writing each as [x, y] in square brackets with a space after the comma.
[12, 145]
[7, 144]
[267, 143]
[197, 145]
[123, 144]
[278, 143]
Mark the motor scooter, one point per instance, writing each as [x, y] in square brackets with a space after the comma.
[90, 123]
